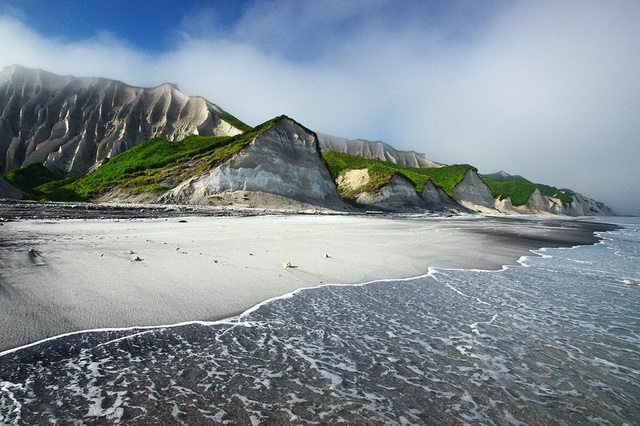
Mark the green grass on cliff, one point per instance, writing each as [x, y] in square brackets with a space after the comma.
[381, 171]
[30, 176]
[520, 191]
[234, 121]
[152, 166]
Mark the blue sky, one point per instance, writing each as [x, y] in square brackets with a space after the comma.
[546, 89]
[148, 25]
[155, 26]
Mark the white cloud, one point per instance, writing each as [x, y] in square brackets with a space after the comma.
[103, 55]
[544, 89]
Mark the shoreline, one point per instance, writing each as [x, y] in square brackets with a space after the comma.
[230, 265]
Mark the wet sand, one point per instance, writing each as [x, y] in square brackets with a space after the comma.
[60, 276]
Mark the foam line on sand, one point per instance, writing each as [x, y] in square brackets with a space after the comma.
[210, 268]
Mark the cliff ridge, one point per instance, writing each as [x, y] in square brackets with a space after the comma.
[71, 124]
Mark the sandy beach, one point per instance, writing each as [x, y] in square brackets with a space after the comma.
[60, 276]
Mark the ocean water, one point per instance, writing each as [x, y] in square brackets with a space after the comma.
[553, 341]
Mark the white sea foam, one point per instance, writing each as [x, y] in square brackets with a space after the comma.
[450, 346]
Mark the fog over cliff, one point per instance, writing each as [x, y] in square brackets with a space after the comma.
[547, 90]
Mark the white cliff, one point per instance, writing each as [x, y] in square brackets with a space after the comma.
[375, 150]
[584, 206]
[504, 205]
[538, 203]
[70, 124]
[282, 163]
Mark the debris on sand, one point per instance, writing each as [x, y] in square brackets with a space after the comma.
[36, 257]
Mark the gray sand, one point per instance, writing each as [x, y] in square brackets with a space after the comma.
[79, 274]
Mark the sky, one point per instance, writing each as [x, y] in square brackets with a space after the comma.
[545, 89]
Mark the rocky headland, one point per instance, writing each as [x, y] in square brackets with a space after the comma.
[64, 138]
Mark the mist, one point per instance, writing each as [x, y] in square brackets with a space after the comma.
[547, 90]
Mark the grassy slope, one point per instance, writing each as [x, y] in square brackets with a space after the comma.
[516, 187]
[157, 164]
[520, 191]
[29, 177]
[152, 166]
[233, 121]
[381, 171]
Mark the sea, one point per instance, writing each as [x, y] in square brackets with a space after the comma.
[554, 339]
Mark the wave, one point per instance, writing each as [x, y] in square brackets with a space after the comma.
[534, 343]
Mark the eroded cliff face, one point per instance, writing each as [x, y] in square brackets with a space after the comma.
[538, 203]
[504, 206]
[399, 194]
[473, 193]
[70, 124]
[9, 191]
[375, 150]
[584, 206]
[283, 162]
[434, 198]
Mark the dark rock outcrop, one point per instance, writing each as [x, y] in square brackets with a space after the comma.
[70, 124]
[473, 193]
[9, 191]
[540, 203]
[434, 198]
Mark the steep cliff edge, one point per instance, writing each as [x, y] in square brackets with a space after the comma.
[433, 197]
[396, 193]
[375, 150]
[70, 124]
[473, 193]
[514, 193]
[361, 180]
[584, 206]
[282, 163]
[538, 203]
